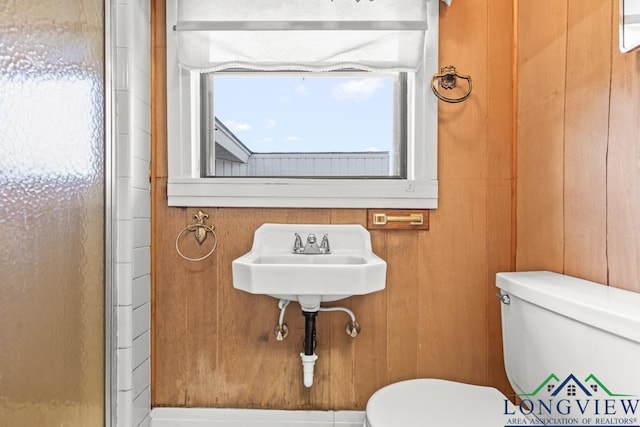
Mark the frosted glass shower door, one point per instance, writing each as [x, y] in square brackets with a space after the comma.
[52, 213]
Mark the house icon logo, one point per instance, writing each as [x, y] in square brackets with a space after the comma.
[572, 401]
[571, 386]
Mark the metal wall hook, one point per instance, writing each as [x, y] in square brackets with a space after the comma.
[448, 80]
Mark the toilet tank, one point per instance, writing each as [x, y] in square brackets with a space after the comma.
[559, 330]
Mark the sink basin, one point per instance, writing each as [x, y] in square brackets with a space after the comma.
[270, 268]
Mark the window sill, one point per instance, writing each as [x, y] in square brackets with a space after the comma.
[303, 193]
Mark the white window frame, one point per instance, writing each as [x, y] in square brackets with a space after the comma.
[186, 187]
[398, 121]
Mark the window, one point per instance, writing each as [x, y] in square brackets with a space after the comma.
[338, 124]
[221, 55]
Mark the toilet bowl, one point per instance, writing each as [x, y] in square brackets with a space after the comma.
[433, 402]
[564, 338]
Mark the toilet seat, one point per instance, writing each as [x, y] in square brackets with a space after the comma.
[438, 403]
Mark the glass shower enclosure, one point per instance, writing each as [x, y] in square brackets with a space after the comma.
[52, 213]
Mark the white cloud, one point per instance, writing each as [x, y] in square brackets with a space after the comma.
[270, 123]
[373, 149]
[234, 126]
[301, 89]
[356, 90]
[292, 138]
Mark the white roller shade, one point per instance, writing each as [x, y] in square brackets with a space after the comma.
[315, 35]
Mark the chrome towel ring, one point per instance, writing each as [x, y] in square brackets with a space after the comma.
[448, 80]
[200, 230]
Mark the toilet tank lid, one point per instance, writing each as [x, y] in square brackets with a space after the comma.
[611, 309]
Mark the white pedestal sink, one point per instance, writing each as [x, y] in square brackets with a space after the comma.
[271, 267]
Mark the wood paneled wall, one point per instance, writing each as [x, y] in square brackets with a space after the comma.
[578, 202]
[214, 346]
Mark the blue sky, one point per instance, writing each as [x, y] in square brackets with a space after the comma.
[272, 114]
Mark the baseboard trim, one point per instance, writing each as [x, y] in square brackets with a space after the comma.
[218, 417]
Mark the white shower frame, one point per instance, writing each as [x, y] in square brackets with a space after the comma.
[127, 213]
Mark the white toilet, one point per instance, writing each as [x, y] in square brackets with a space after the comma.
[572, 354]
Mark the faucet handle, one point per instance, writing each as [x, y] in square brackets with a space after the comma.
[297, 244]
[324, 245]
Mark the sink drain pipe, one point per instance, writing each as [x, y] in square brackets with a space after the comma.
[309, 357]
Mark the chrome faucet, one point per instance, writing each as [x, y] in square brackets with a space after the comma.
[311, 246]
